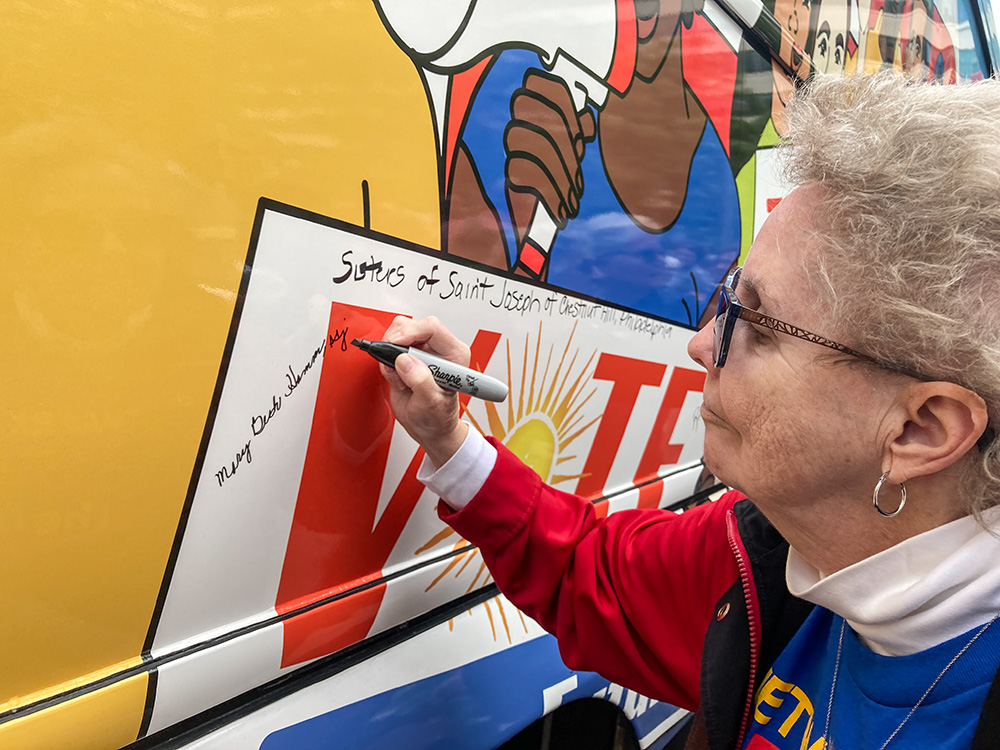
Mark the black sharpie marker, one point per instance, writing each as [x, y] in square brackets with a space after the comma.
[446, 374]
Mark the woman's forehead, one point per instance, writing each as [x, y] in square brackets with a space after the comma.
[775, 270]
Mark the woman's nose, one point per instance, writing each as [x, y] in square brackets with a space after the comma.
[701, 347]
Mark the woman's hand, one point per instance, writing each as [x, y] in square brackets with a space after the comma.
[429, 413]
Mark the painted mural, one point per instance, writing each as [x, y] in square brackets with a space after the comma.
[619, 157]
[205, 490]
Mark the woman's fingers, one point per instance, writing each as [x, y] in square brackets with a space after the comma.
[426, 411]
[414, 375]
[390, 374]
[429, 413]
[429, 334]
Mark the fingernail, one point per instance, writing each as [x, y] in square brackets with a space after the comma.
[404, 363]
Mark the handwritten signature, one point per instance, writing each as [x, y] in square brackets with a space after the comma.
[338, 339]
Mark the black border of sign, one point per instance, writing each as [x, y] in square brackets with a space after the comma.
[263, 206]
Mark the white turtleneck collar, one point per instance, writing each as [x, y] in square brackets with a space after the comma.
[921, 592]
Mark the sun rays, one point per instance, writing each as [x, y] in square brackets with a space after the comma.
[540, 429]
[548, 417]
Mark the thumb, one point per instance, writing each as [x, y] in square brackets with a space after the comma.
[414, 373]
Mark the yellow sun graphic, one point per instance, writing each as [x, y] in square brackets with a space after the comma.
[540, 429]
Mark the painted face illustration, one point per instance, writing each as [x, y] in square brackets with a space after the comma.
[834, 42]
[917, 30]
[794, 16]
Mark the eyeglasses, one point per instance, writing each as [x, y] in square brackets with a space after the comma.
[730, 310]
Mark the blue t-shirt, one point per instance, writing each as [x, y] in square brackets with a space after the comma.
[874, 693]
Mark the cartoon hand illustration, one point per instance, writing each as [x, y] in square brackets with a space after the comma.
[545, 142]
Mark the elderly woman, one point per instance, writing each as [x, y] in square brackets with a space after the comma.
[845, 593]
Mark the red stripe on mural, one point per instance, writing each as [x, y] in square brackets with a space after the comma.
[460, 92]
[659, 450]
[331, 627]
[335, 543]
[623, 58]
[710, 72]
[532, 258]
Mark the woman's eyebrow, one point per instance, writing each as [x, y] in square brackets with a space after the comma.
[754, 287]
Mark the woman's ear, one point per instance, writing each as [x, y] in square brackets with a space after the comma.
[939, 423]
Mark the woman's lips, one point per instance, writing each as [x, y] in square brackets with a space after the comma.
[708, 414]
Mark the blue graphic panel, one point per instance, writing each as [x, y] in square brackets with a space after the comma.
[477, 706]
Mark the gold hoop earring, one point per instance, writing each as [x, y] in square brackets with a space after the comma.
[902, 497]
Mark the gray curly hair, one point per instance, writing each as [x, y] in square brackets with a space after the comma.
[911, 228]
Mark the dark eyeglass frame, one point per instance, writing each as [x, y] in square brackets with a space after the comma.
[730, 310]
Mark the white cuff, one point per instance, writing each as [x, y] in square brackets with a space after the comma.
[464, 474]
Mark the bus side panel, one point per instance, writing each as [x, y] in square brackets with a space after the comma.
[204, 489]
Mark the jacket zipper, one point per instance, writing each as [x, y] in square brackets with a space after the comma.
[753, 615]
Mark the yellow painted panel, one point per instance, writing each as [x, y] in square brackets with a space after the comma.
[102, 720]
[62, 688]
[135, 141]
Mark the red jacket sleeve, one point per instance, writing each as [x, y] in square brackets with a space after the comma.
[628, 596]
